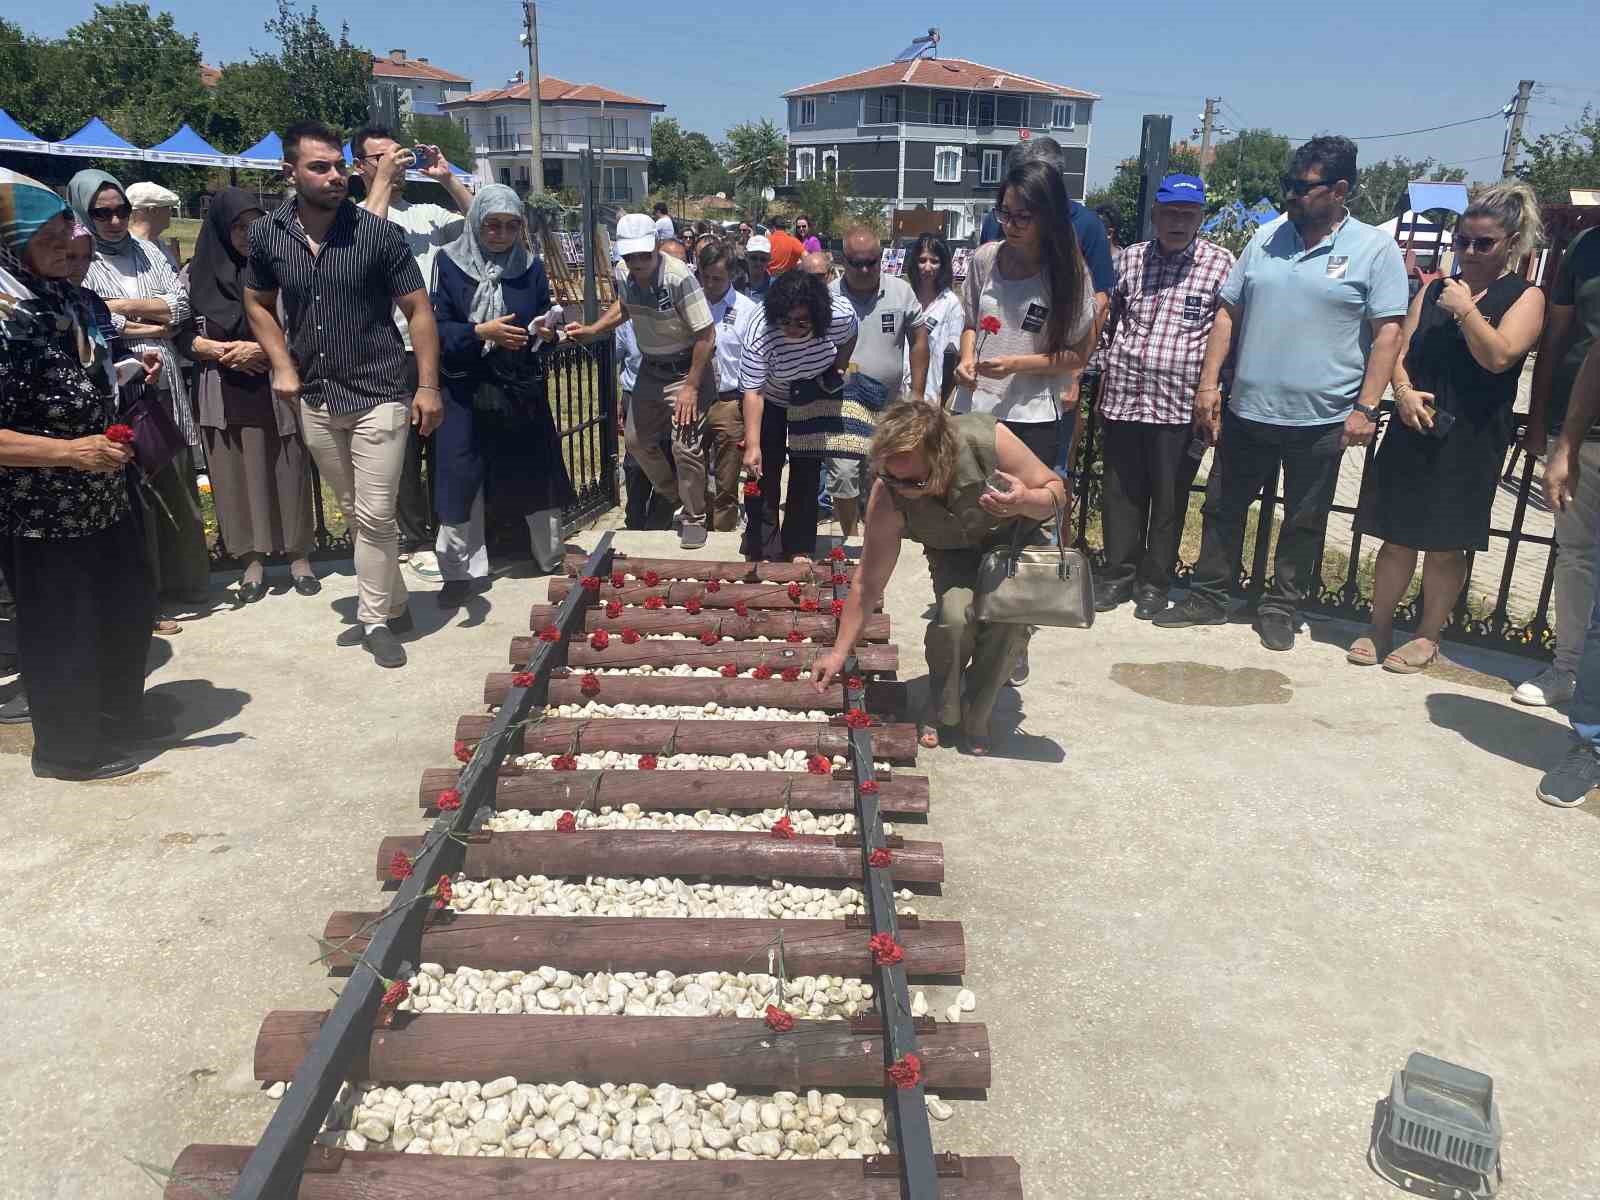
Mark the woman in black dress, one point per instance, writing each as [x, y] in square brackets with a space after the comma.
[1435, 474]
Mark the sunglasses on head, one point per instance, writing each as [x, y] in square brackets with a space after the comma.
[1300, 187]
[105, 214]
[1481, 245]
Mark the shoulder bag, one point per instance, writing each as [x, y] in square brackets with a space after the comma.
[1035, 585]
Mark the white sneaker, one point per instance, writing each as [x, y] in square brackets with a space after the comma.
[425, 565]
[1548, 688]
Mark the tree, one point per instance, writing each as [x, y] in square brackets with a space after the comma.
[1381, 193]
[1247, 168]
[757, 156]
[825, 198]
[1558, 162]
[328, 79]
[676, 154]
[444, 133]
[250, 100]
[1122, 193]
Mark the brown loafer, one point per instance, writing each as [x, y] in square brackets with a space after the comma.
[167, 627]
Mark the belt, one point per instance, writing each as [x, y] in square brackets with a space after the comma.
[729, 395]
[675, 362]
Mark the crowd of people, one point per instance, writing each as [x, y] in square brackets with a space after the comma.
[766, 383]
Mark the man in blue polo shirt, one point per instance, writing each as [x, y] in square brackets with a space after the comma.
[1318, 300]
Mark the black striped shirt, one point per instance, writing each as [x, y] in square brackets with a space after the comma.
[340, 304]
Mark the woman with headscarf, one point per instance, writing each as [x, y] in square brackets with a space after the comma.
[137, 283]
[260, 472]
[498, 436]
[69, 541]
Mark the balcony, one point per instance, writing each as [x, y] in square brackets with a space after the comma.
[573, 143]
[507, 141]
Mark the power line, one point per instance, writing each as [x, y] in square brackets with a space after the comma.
[1497, 115]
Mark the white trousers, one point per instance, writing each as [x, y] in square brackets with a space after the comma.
[462, 554]
[1577, 531]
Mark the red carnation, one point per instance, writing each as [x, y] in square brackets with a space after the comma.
[907, 1072]
[400, 866]
[870, 787]
[762, 672]
[692, 606]
[589, 685]
[730, 670]
[121, 434]
[783, 828]
[654, 602]
[463, 752]
[647, 762]
[795, 635]
[549, 634]
[808, 605]
[522, 679]
[990, 324]
[449, 800]
[566, 823]
[885, 950]
[590, 583]
[618, 580]
[855, 683]
[819, 764]
[613, 609]
[395, 993]
[630, 637]
[840, 579]
[713, 585]
[709, 638]
[837, 608]
[794, 591]
[563, 762]
[752, 490]
[650, 578]
[777, 1020]
[443, 892]
[741, 609]
[599, 639]
[879, 858]
[857, 719]
[836, 554]
[790, 674]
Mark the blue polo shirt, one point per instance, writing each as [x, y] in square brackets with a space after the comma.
[1303, 330]
[1092, 243]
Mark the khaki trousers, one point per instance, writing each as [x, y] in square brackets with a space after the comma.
[969, 661]
[361, 456]
[655, 393]
[724, 432]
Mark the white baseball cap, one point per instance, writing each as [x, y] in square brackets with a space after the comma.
[758, 245]
[636, 233]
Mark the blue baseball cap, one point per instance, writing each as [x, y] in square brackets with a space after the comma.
[1181, 189]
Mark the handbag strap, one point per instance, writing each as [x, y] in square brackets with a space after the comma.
[1060, 543]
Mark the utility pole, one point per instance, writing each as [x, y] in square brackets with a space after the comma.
[1207, 122]
[530, 38]
[1519, 111]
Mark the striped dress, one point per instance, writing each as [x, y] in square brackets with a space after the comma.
[832, 426]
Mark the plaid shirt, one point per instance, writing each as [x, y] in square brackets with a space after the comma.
[1161, 316]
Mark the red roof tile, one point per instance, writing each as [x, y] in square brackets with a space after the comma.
[209, 76]
[952, 74]
[410, 68]
[554, 91]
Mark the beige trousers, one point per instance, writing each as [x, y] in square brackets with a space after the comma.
[361, 455]
[655, 394]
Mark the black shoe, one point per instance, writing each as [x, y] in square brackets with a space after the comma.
[404, 623]
[307, 585]
[1276, 630]
[453, 594]
[1109, 595]
[351, 635]
[1149, 604]
[15, 711]
[1191, 610]
[385, 649]
[110, 768]
[8, 663]
[249, 593]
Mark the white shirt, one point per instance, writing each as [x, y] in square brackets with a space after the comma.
[429, 228]
[945, 319]
[733, 314]
[665, 229]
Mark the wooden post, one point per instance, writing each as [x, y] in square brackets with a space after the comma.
[563, 735]
[871, 658]
[883, 699]
[728, 571]
[676, 595]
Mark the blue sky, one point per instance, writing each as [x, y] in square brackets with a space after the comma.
[1360, 68]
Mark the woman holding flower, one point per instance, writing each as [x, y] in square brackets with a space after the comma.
[70, 545]
[1029, 312]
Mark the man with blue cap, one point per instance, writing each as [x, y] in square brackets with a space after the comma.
[1162, 309]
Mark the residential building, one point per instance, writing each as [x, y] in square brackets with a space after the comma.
[933, 132]
[422, 88]
[572, 117]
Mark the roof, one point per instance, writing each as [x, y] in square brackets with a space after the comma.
[411, 68]
[210, 76]
[950, 74]
[556, 91]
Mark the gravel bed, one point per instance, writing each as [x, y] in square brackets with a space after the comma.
[618, 760]
[630, 816]
[536, 895]
[709, 711]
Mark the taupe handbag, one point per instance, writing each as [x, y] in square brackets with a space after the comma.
[1035, 585]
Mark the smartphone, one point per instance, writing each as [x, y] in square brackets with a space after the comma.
[1443, 423]
[996, 484]
[423, 157]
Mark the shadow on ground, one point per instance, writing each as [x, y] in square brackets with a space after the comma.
[194, 706]
[1500, 729]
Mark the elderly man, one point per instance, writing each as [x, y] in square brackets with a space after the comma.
[1162, 309]
[890, 319]
[1318, 300]
[153, 206]
[758, 260]
[677, 383]
[818, 263]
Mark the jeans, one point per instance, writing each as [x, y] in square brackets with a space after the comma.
[1248, 458]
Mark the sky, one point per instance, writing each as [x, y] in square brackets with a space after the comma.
[1360, 68]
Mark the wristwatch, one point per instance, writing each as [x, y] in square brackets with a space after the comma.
[1369, 411]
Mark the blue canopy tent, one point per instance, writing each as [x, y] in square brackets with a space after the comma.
[96, 140]
[15, 137]
[187, 146]
[265, 155]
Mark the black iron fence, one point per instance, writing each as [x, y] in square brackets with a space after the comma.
[1492, 611]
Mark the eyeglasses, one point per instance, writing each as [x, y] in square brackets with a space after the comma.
[1300, 187]
[123, 211]
[1478, 245]
[908, 485]
[1006, 217]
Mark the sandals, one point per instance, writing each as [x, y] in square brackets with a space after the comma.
[978, 747]
[1364, 652]
[1400, 662]
[931, 737]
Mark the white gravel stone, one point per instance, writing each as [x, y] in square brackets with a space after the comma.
[612, 760]
[953, 1014]
[710, 710]
[537, 895]
[606, 817]
[966, 1001]
[919, 1005]
[938, 1109]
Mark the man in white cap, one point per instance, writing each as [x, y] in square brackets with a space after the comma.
[153, 206]
[758, 255]
[677, 384]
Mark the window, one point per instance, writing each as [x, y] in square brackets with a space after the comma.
[991, 166]
[944, 110]
[830, 162]
[614, 184]
[947, 164]
[805, 165]
[806, 112]
[1010, 113]
[882, 108]
[608, 133]
[986, 111]
[1063, 115]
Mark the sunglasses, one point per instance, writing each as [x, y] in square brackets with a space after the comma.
[862, 264]
[1479, 245]
[1006, 217]
[1300, 187]
[124, 211]
[909, 485]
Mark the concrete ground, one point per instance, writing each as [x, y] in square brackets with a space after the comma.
[1213, 897]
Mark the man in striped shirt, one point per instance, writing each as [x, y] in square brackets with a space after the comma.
[340, 271]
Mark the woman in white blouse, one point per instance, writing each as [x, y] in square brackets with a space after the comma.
[1029, 312]
[931, 277]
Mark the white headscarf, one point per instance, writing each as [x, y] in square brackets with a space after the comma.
[483, 268]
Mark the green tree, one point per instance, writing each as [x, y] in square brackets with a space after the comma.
[250, 100]
[32, 71]
[1555, 163]
[328, 79]
[825, 198]
[1247, 168]
[444, 133]
[757, 156]
[1382, 191]
[676, 154]
[138, 72]
[1122, 193]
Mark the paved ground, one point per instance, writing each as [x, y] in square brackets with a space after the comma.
[1213, 895]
